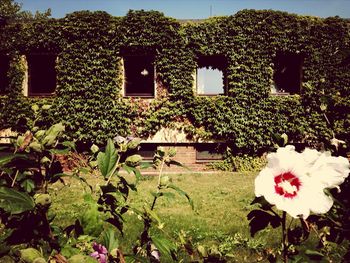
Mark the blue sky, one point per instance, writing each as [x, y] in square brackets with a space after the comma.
[195, 9]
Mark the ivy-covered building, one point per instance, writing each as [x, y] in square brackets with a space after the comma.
[235, 80]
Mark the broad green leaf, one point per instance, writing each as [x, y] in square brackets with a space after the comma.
[15, 202]
[107, 160]
[145, 165]
[4, 148]
[9, 157]
[52, 133]
[262, 202]
[260, 219]
[165, 246]
[136, 172]
[69, 144]
[153, 215]
[176, 163]
[60, 151]
[168, 195]
[109, 239]
[183, 193]
[6, 159]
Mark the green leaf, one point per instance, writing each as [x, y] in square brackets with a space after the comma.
[107, 160]
[165, 246]
[69, 144]
[183, 193]
[262, 202]
[176, 163]
[313, 254]
[8, 158]
[60, 151]
[15, 202]
[145, 165]
[153, 215]
[168, 195]
[28, 185]
[260, 219]
[52, 133]
[109, 239]
[136, 172]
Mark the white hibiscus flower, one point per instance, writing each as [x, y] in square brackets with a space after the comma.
[295, 182]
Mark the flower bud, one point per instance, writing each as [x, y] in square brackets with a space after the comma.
[43, 200]
[28, 255]
[134, 143]
[164, 180]
[36, 146]
[94, 148]
[172, 152]
[133, 160]
[45, 160]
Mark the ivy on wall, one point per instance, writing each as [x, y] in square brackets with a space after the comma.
[90, 47]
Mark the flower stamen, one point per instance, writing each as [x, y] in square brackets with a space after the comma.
[287, 185]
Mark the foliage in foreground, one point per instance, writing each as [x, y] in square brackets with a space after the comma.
[29, 234]
[31, 165]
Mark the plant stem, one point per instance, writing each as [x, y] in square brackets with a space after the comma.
[284, 238]
[14, 179]
[158, 187]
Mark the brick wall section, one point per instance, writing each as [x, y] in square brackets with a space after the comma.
[185, 155]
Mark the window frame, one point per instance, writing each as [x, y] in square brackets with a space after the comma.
[30, 87]
[4, 74]
[287, 61]
[213, 62]
[145, 95]
[152, 147]
[214, 157]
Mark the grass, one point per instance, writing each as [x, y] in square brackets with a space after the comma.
[218, 221]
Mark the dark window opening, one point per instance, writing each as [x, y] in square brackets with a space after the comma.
[4, 68]
[211, 77]
[287, 73]
[139, 76]
[208, 152]
[147, 150]
[41, 74]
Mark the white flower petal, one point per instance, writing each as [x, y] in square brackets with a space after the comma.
[294, 182]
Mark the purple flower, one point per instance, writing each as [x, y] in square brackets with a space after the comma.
[100, 253]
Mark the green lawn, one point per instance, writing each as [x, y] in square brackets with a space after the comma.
[218, 221]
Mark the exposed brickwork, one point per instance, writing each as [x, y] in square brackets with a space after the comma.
[186, 155]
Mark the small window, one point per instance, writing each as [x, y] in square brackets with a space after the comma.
[287, 73]
[147, 150]
[208, 152]
[41, 74]
[4, 68]
[139, 76]
[210, 75]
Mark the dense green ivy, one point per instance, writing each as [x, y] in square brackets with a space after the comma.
[90, 47]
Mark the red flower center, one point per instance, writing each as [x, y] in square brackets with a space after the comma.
[287, 184]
